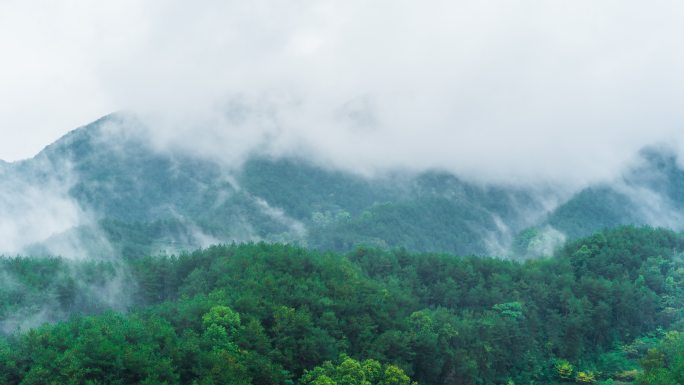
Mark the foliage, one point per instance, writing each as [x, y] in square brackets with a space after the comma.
[664, 364]
[564, 369]
[352, 372]
[275, 314]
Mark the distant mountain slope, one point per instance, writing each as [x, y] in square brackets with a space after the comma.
[651, 193]
[127, 198]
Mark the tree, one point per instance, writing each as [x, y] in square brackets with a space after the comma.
[352, 372]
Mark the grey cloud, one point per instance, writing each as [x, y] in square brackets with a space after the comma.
[514, 92]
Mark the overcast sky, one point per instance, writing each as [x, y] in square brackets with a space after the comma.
[503, 90]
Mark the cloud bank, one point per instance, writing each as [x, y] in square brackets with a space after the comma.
[506, 91]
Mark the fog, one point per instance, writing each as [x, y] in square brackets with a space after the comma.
[546, 96]
[36, 206]
[551, 96]
[505, 91]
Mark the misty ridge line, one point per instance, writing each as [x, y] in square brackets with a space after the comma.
[117, 133]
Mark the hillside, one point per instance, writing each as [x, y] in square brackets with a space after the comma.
[651, 192]
[140, 200]
[105, 189]
[270, 314]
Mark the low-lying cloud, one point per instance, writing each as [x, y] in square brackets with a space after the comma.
[553, 91]
[35, 208]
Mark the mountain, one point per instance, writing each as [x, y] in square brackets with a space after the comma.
[140, 200]
[105, 189]
[651, 192]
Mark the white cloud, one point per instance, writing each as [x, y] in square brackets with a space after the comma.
[510, 91]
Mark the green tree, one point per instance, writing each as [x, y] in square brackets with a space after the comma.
[349, 371]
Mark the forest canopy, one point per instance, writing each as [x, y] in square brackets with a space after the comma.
[278, 314]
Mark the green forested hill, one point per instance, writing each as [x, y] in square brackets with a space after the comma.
[270, 314]
[142, 200]
[139, 199]
[650, 192]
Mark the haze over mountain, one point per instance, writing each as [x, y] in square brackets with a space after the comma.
[499, 91]
[461, 123]
[106, 190]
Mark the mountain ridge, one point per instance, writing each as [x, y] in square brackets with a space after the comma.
[177, 201]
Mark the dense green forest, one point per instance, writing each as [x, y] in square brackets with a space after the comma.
[606, 309]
